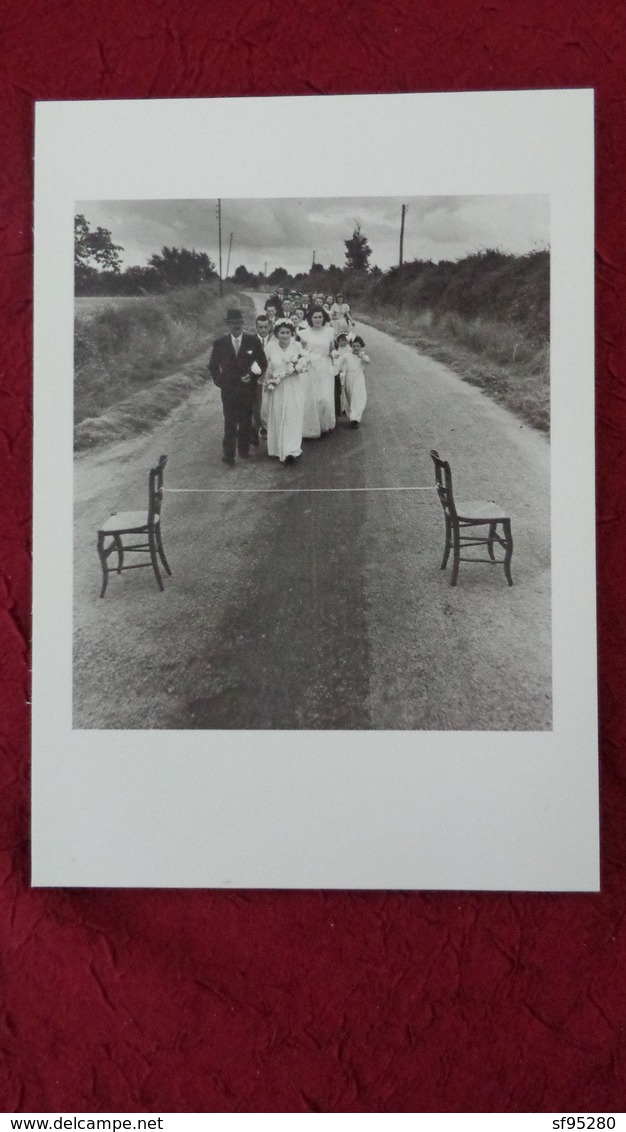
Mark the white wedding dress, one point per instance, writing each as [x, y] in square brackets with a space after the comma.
[319, 391]
[285, 403]
[354, 393]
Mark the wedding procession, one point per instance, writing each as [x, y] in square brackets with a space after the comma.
[291, 379]
[297, 378]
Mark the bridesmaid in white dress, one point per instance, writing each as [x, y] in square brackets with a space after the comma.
[354, 391]
[337, 321]
[319, 405]
[287, 366]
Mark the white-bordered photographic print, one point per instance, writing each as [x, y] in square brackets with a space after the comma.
[314, 493]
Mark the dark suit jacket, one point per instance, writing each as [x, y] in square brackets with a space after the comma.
[228, 368]
[263, 347]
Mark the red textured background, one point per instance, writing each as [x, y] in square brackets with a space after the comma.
[218, 1001]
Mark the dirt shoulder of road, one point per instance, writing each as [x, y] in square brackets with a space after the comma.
[525, 393]
[144, 409]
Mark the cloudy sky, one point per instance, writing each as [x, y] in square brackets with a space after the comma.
[286, 232]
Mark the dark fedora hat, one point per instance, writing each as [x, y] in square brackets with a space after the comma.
[234, 315]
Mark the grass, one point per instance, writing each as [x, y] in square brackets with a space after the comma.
[509, 364]
[140, 412]
[135, 359]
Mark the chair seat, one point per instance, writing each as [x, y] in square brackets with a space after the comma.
[481, 510]
[126, 521]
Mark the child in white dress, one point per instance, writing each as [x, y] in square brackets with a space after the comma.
[338, 357]
[354, 391]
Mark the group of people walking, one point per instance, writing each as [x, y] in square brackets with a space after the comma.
[292, 378]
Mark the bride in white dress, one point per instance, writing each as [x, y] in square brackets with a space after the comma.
[287, 369]
[319, 401]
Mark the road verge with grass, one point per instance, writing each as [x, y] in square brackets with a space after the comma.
[136, 359]
[499, 359]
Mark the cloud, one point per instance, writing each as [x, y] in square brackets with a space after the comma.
[286, 231]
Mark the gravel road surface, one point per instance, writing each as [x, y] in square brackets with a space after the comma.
[321, 609]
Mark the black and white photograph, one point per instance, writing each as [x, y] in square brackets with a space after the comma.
[314, 493]
[322, 426]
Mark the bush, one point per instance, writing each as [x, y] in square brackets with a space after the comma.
[489, 285]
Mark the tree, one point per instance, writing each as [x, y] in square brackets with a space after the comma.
[279, 275]
[243, 276]
[94, 251]
[180, 267]
[141, 280]
[358, 250]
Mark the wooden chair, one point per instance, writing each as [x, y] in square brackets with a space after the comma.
[134, 524]
[478, 513]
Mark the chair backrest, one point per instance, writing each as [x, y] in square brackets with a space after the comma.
[155, 490]
[443, 477]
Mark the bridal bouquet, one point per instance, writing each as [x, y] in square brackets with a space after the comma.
[291, 368]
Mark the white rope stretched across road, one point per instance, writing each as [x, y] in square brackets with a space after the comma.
[279, 490]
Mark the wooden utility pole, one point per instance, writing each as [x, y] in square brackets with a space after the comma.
[230, 244]
[402, 235]
[219, 236]
[313, 264]
[401, 258]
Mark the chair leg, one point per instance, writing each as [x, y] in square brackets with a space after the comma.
[491, 539]
[456, 554]
[103, 562]
[159, 543]
[154, 559]
[119, 546]
[508, 539]
[446, 553]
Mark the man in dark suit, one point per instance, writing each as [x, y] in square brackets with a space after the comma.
[263, 334]
[237, 359]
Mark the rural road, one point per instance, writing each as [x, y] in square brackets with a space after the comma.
[321, 609]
